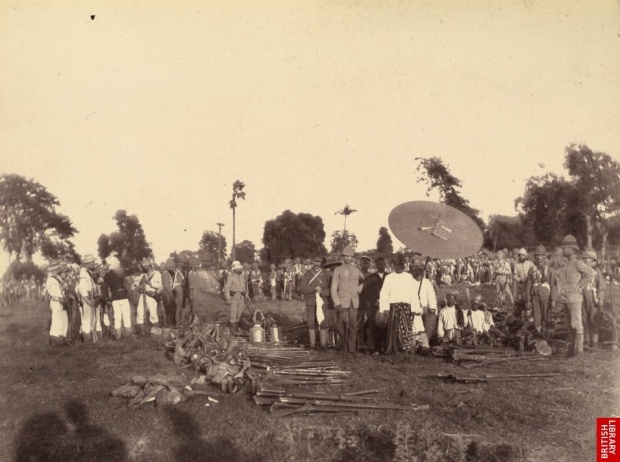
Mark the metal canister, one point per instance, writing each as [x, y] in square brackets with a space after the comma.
[257, 333]
[275, 334]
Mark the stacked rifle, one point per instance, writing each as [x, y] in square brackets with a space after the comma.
[464, 378]
[478, 357]
[290, 365]
[282, 403]
[470, 358]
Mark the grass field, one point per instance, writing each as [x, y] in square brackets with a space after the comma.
[55, 405]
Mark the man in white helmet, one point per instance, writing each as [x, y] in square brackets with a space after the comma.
[345, 289]
[235, 289]
[522, 268]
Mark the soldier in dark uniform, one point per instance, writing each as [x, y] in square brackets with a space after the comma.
[593, 300]
[316, 281]
[369, 301]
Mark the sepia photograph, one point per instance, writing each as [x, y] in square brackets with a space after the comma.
[347, 230]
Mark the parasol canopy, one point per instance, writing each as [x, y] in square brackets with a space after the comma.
[436, 230]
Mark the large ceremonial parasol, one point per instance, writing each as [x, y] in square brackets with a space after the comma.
[435, 230]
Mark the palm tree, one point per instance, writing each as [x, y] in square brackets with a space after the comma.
[237, 194]
[346, 211]
[219, 245]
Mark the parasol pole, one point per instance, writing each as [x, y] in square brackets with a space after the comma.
[428, 259]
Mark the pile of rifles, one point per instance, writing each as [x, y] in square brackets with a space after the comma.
[276, 366]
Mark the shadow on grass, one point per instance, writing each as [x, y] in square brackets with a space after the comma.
[48, 437]
[191, 446]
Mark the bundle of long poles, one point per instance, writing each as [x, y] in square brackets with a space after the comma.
[284, 403]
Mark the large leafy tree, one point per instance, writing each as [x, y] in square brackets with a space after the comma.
[245, 252]
[437, 176]
[293, 235]
[211, 241]
[340, 239]
[238, 193]
[54, 248]
[544, 207]
[384, 243]
[28, 216]
[583, 205]
[128, 244]
[508, 232]
[596, 180]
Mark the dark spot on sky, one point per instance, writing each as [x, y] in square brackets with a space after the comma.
[92, 17]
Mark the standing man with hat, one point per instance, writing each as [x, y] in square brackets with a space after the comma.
[538, 292]
[345, 288]
[316, 281]
[256, 277]
[593, 299]
[115, 280]
[149, 287]
[173, 282]
[522, 267]
[428, 301]
[363, 316]
[370, 301]
[235, 289]
[88, 295]
[399, 296]
[55, 290]
[570, 282]
[502, 273]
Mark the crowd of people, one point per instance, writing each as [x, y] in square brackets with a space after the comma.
[21, 289]
[366, 304]
[387, 306]
[93, 300]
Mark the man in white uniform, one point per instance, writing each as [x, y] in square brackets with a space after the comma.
[150, 288]
[88, 295]
[56, 293]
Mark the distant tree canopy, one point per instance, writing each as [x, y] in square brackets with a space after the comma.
[384, 243]
[128, 244]
[340, 239]
[24, 270]
[508, 232]
[585, 205]
[56, 249]
[293, 235]
[28, 217]
[437, 176]
[245, 252]
[211, 241]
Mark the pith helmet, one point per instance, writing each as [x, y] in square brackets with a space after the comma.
[55, 267]
[347, 251]
[589, 253]
[570, 241]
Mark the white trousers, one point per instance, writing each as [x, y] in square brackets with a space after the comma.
[122, 314]
[91, 318]
[151, 308]
[60, 321]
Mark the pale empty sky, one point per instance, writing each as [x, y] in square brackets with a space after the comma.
[158, 107]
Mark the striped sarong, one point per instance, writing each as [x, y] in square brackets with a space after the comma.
[400, 328]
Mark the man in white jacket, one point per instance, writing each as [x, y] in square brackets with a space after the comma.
[428, 301]
[399, 296]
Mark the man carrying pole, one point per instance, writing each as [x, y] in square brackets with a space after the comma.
[88, 295]
[149, 287]
[235, 290]
[315, 282]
